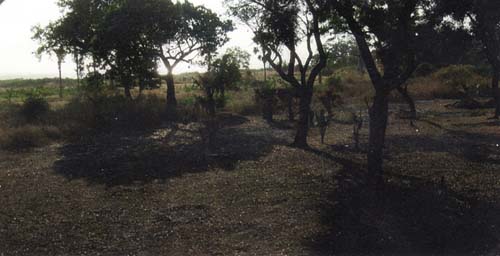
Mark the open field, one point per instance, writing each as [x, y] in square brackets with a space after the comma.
[154, 193]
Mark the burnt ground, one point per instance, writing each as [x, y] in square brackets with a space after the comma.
[157, 193]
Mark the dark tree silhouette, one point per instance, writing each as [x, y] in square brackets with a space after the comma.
[196, 31]
[392, 26]
[279, 26]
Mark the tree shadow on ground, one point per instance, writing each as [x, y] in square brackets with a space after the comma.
[475, 147]
[408, 216]
[143, 157]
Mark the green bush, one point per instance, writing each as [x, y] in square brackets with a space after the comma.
[462, 78]
[34, 108]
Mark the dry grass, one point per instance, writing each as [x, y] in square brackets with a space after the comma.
[27, 137]
[242, 102]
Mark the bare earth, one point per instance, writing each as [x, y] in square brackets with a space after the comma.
[154, 193]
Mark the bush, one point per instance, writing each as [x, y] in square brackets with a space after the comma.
[462, 78]
[335, 82]
[34, 108]
[27, 137]
[111, 113]
[242, 102]
[424, 69]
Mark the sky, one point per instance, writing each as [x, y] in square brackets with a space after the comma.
[17, 60]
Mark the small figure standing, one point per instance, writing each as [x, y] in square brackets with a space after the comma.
[322, 124]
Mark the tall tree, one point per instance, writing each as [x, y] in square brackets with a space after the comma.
[124, 40]
[51, 42]
[115, 36]
[484, 18]
[391, 26]
[279, 27]
[197, 32]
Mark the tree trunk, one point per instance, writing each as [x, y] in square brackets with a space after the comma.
[409, 100]
[171, 100]
[60, 79]
[127, 91]
[291, 115]
[77, 61]
[496, 92]
[378, 124]
[303, 124]
[265, 71]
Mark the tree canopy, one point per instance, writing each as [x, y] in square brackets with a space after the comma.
[279, 26]
[126, 38]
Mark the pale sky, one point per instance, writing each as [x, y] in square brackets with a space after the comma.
[17, 60]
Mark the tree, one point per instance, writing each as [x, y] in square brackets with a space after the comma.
[125, 41]
[342, 53]
[392, 27]
[279, 26]
[117, 37]
[197, 32]
[227, 67]
[51, 42]
[484, 19]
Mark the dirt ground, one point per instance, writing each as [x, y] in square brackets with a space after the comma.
[157, 193]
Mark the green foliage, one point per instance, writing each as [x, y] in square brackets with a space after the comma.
[34, 108]
[341, 53]
[242, 102]
[227, 67]
[93, 85]
[461, 78]
[16, 95]
[34, 83]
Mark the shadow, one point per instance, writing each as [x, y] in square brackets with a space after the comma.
[143, 157]
[408, 217]
[282, 124]
[476, 147]
[226, 119]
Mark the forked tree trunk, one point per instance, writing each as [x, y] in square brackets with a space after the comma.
[303, 123]
[496, 92]
[378, 125]
[171, 99]
[409, 100]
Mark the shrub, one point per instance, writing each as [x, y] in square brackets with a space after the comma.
[462, 78]
[34, 108]
[424, 69]
[335, 82]
[111, 113]
[27, 137]
[242, 102]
